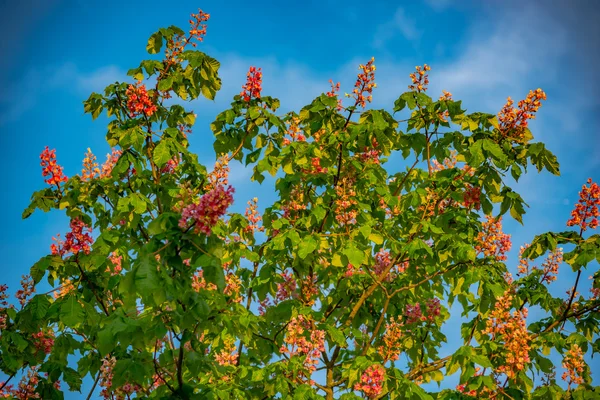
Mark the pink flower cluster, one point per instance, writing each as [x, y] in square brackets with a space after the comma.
[297, 342]
[79, 239]
[286, 289]
[210, 208]
[116, 262]
[414, 313]
[371, 381]
[228, 355]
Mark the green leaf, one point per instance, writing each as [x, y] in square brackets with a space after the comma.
[71, 312]
[39, 305]
[154, 43]
[162, 153]
[306, 246]
[356, 257]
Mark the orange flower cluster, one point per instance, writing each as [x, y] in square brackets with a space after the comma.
[219, 175]
[513, 122]
[295, 203]
[65, 288]
[253, 216]
[198, 28]
[512, 330]
[420, 79]
[345, 200]
[365, 83]
[316, 167]
[233, 285]
[51, 169]
[28, 288]
[335, 88]
[138, 101]
[303, 340]
[111, 160]
[294, 132]
[370, 155]
[90, 166]
[309, 291]
[177, 43]
[551, 265]
[587, 207]
[574, 365]
[116, 262]
[228, 355]
[523, 268]
[253, 85]
[392, 341]
[491, 241]
[198, 282]
[446, 96]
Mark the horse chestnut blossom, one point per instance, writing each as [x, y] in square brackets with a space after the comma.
[491, 241]
[138, 101]
[253, 85]
[79, 239]
[586, 212]
[513, 122]
[574, 365]
[206, 213]
[420, 79]
[111, 160]
[512, 330]
[365, 83]
[371, 381]
[51, 169]
[303, 340]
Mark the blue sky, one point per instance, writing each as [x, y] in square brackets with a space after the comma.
[55, 52]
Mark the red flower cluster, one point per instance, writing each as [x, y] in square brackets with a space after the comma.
[371, 381]
[253, 85]
[286, 289]
[365, 83]
[79, 239]
[210, 208]
[53, 171]
[587, 207]
[43, 341]
[28, 288]
[3, 306]
[420, 79]
[513, 122]
[138, 101]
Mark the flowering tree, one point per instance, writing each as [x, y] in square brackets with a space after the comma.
[341, 289]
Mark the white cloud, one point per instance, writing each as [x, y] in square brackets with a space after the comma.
[400, 23]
